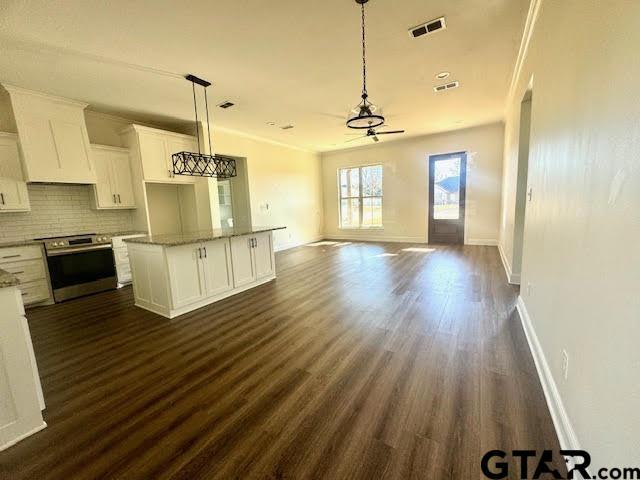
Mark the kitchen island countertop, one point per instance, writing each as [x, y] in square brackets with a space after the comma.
[175, 239]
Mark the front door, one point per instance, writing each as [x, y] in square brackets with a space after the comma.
[447, 185]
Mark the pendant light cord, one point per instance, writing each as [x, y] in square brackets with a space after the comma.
[206, 106]
[195, 107]
[364, 57]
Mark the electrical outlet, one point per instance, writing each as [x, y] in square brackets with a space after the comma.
[565, 364]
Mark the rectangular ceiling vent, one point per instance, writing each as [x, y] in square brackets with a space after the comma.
[287, 127]
[428, 28]
[446, 86]
[226, 105]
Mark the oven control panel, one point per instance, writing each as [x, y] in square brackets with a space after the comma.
[77, 241]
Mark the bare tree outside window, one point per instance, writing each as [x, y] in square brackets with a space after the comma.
[360, 197]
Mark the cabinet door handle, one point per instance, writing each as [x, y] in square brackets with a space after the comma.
[114, 198]
[205, 252]
[2, 197]
[199, 253]
[119, 200]
[255, 243]
[12, 256]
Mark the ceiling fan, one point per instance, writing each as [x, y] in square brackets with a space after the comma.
[373, 134]
[366, 115]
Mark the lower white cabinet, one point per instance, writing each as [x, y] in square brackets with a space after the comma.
[252, 257]
[27, 263]
[121, 258]
[21, 400]
[198, 271]
[173, 280]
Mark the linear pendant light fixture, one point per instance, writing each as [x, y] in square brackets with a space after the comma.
[365, 115]
[200, 164]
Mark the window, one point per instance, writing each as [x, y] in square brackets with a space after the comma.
[360, 197]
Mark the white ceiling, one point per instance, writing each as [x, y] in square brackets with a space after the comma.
[280, 61]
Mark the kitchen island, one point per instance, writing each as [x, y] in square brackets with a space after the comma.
[21, 400]
[176, 273]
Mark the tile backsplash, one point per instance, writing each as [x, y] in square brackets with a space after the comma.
[58, 210]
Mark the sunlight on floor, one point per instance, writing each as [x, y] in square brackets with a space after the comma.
[419, 250]
[387, 255]
[326, 243]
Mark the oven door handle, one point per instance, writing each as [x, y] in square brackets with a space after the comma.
[66, 251]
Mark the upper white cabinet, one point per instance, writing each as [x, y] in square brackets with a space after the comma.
[53, 137]
[154, 148]
[13, 189]
[114, 187]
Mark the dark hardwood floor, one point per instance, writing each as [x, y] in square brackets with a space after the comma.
[370, 361]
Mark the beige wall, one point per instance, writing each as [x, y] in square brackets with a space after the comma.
[284, 186]
[581, 263]
[405, 184]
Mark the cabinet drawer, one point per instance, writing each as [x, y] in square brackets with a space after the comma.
[16, 254]
[121, 256]
[124, 273]
[26, 271]
[34, 292]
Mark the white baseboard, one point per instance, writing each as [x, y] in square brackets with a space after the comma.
[481, 241]
[287, 246]
[375, 238]
[564, 429]
[511, 278]
[42, 426]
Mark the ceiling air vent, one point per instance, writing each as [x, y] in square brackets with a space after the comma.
[287, 127]
[428, 28]
[446, 86]
[226, 104]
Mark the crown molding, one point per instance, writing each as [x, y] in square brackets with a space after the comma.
[12, 89]
[532, 17]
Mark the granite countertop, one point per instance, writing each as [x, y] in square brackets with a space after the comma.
[175, 239]
[123, 234]
[8, 279]
[20, 243]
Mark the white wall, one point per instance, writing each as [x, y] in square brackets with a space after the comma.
[284, 186]
[406, 188]
[582, 228]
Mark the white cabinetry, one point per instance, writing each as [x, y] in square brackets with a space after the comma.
[252, 258]
[13, 189]
[173, 280]
[28, 264]
[21, 400]
[121, 258]
[155, 148]
[114, 187]
[53, 137]
[217, 268]
[199, 271]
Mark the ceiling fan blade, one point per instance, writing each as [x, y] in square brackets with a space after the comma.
[390, 132]
[375, 138]
[354, 139]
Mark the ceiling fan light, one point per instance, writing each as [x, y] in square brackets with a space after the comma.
[366, 115]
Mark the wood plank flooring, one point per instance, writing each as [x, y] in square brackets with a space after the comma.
[361, 361]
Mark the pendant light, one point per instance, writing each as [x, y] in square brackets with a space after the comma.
[365, 115]
[200, 164]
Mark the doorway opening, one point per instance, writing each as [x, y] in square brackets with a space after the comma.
[521, 186]
[447, 192]
[233, 197]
